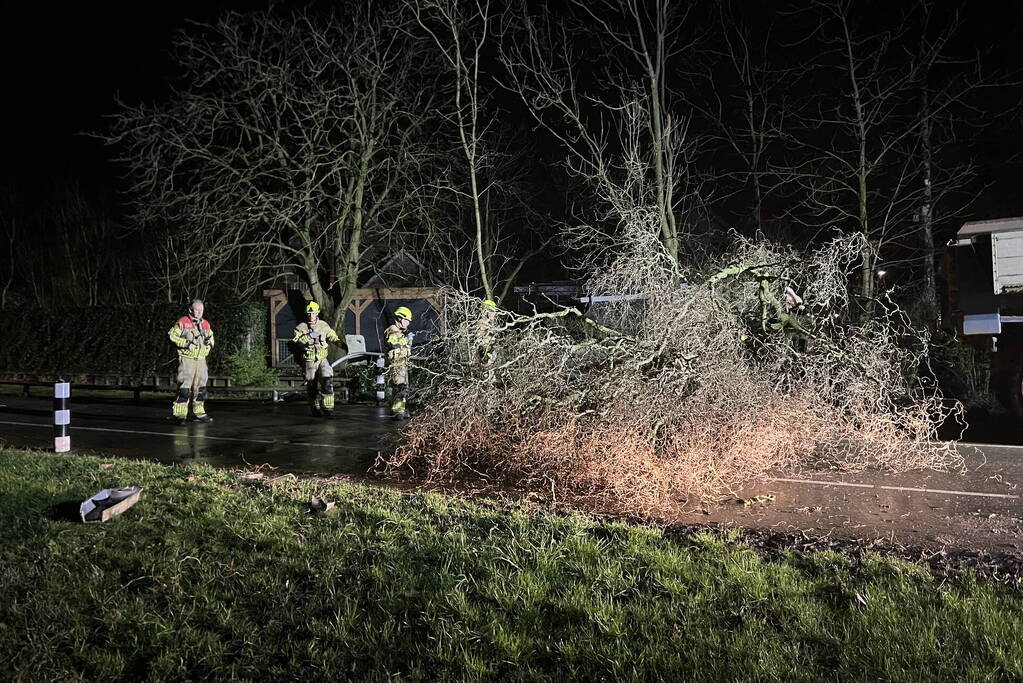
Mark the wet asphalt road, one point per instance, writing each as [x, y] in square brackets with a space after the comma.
[244, 432]
[981, 508]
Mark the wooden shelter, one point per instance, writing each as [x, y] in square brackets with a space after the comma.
[371, 310]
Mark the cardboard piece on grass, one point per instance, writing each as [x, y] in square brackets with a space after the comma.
[108, 503]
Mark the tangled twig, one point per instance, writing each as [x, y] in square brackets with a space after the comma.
[692, 385]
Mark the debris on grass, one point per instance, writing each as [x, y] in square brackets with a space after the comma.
[756, 500]
[319, 506]
[107, 503]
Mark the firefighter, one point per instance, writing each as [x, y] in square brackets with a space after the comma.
[314, 335]
[487, 333]
[193, 336]
[399, 345]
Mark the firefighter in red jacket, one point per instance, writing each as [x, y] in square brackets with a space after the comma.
[193, 336]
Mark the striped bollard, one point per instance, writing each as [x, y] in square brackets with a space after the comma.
[380, 378]
[61, 416]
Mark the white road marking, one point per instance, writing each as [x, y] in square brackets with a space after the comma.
[893, 488]
[195, 436]
[987, 445]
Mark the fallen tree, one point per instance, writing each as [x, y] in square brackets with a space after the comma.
[686, 385]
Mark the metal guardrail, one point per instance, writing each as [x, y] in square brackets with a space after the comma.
[216, 384]
[137, 389]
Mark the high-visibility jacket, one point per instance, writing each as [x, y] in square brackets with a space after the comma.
[398, 345]
[314, 338]
[486, 338]
[194, 338]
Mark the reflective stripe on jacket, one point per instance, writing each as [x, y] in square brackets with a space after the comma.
[194, 338]
[314, 338]
[398, 345]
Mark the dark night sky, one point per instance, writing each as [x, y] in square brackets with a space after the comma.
[65, 64]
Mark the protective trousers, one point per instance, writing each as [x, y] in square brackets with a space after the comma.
[192, 376]
[397, 375]
[319, 377]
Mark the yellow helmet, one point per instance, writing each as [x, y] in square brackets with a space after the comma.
[490, 305]
[312, 307]
[403, 312]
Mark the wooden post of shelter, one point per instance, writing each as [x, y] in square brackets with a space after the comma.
[278, 300]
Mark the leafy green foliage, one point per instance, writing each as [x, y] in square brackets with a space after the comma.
[363, 382]
[962, 370]
[248, 368]
[131, 340]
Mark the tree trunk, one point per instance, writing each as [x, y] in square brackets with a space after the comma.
[867, 266]
[10, 273]
[351, 255]
[930, 294]
[481, 256]
[348, 278]
[469, 144]
[669, 234]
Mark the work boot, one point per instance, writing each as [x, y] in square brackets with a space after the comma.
[203, 418]
[402, 416]
[176, 421]
[316, 412]
[328, 413]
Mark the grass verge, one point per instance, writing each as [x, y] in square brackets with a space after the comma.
[209, 577]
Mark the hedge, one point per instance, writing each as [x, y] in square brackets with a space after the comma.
[130, 340]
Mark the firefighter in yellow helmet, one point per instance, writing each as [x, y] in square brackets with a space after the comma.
[314, 335]
[398, 344]
[193, 336]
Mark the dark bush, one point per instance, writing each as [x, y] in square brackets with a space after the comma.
[129, 340]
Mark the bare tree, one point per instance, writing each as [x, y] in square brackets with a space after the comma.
[467, 28]
[857, 136]
[10, 222]
[744, 109]
[292, 146]
[633, 145]
[495, 193]
[872, 165]
[946, 113]
[66, 248]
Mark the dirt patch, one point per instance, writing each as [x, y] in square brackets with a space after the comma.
[979, 511]
[948, 521]
[946, 563]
